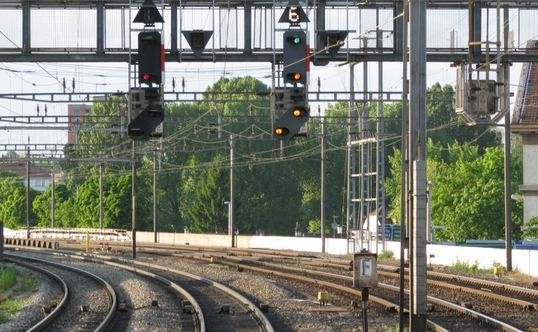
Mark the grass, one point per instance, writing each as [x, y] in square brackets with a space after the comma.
[8, 277]
[28, 284]
[465, 266]
[12, 305]
[396, 328]
[385, 254]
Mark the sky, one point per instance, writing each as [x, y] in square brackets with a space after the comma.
[76, 28]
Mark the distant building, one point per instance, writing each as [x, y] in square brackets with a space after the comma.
[525, 123]
[39, 179]
[373, 223]
[75, 119]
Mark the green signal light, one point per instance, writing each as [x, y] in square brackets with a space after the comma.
[295, 40]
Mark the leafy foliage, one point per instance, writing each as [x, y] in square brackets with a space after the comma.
[276, 186]
[531, 229]
[13, 202]
[205, 212]
[467, 192]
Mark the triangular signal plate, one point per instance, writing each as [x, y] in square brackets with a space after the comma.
[148, 14]
[301, 16]
[197, 39]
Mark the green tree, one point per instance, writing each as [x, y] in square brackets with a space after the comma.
[467, 192]
[117, 201]
[13, 202]
[314, 227]
[41, 206]
[207, 212]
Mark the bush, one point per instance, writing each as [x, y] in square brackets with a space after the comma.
[385, 254]
[530, 229]
[8, 277]
[464, 266]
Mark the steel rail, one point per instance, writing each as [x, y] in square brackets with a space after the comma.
[249, 305]
[198, 317]
[392, 307]
[105, 323]
[477, 282]
[45, 322]
[498, 297]
[484, 318]
[488, 283]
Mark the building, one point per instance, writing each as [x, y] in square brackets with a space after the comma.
[75, 120]
[39, 179]
[525, 123]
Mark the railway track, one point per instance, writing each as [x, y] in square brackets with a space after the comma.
[513, 299]
[214, 306]
[506, 303]
[58, 306]
[477, 319]
[78, 309]
[445, 310]
[517, 296]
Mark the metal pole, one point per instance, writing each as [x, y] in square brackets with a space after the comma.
[232, 207]
[133, 198]
[507, 142]
[364, 298]
[417, 147]
[404, 186]
[100, 43]
[247, 23]
[26, 24]
[28, 192]
[380, 148]
[52, 198]
[101, 197]
[364, 186]
[323, 196]
[155, 196]
[349, 171]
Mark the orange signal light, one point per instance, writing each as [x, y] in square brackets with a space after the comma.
[298, 113]
[294, 76]
[281, 131]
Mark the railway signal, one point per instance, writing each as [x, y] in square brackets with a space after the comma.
[295, 56]
[290, 112]
[150, 64]
[147, 113]
[333, 39]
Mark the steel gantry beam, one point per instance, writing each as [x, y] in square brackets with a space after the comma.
[193, 96]
[436, 4]
[249, 50]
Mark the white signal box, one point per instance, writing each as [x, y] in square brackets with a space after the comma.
[364, 270]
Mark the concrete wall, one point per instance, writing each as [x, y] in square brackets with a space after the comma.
[522, 260]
